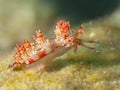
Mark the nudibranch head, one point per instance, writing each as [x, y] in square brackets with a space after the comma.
[28, 52]
[63, 34]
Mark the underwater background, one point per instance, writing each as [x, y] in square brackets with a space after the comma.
[88, 69]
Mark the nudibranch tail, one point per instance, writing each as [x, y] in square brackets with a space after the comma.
[42, 51]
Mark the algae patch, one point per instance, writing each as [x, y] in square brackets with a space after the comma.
[64, 73]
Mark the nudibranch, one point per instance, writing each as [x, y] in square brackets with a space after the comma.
[42, 51]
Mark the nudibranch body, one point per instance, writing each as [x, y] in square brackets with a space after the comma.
[42, 51]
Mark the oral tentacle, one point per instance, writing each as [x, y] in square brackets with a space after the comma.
[82, 43]
[89, 41]
[92, 48]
